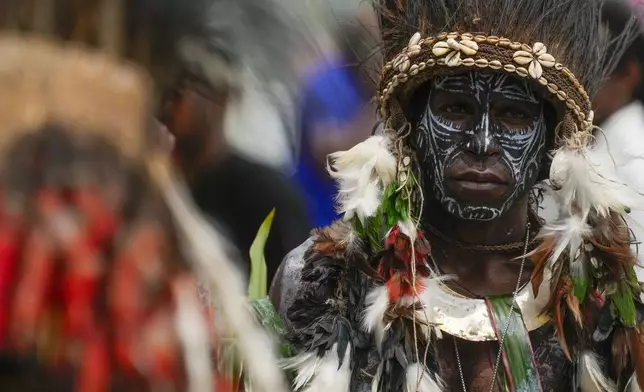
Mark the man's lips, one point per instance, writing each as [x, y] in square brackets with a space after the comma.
[480, 177]
[477, 186]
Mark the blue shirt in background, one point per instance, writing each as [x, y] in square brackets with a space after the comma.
[332, 95]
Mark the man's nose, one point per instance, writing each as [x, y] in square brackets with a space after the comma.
[482, 141]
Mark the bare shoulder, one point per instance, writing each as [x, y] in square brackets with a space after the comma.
[288, 277]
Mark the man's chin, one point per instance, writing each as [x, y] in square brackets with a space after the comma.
[474, 211]
[478, 193]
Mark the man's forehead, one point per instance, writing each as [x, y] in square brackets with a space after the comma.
[476, 82]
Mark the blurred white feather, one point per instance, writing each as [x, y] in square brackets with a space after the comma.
[218, 274]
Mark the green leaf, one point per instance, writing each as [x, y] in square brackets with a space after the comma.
[257, 287]
[518, 367]
[273, 323]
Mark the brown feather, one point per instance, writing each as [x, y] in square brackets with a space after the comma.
[636, 346]
[556, 307]
[540, 259]
[573, 306]
[611, 239]
[620, 349]
[330, 240]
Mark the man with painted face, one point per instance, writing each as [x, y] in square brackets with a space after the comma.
[441, 276]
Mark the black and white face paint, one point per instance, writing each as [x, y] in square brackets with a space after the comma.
[488, 125]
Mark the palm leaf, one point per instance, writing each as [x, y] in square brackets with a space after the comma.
[257, 287]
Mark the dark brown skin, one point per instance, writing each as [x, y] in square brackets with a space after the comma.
[483, 274]
[194, 115]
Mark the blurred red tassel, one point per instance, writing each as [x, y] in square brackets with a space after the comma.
[8, 263]
[95, 372]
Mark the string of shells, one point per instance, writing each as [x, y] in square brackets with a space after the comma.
[456, 49]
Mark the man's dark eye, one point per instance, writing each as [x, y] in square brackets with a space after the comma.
[455, 109]
[513, 114]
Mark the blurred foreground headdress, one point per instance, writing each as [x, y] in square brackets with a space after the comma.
[101, 247]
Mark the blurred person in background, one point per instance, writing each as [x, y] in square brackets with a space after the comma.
[108, 273]
[237, 192]
[336, 110]
[620, 98]
[619, 112]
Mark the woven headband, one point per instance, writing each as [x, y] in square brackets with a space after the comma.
[447, 53]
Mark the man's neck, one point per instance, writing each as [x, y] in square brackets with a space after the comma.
[211, 153]
[481, 273]
[510, 227]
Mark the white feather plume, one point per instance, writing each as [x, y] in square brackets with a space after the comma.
[591, 377]
[205, 246]
[377, 304]
[321, 374]
[419, 380]
[305, 366]
[193, 332]
[568, 233]
[584, 185]
[362, 174]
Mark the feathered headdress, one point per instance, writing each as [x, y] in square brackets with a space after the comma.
[584, 258]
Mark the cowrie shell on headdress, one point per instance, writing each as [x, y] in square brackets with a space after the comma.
[522, 58]
[482, 63]
[453, 59]
[522, 72]
[547, 60]
[453, 44]
[468, 62]
[468, 47]
[509, 68]
[402, 63]
[492, 40]
[539, 48]
[441, 48]
[535, 70]
[495, 64]
[414, 50]
[515, 45]
[414, 40]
